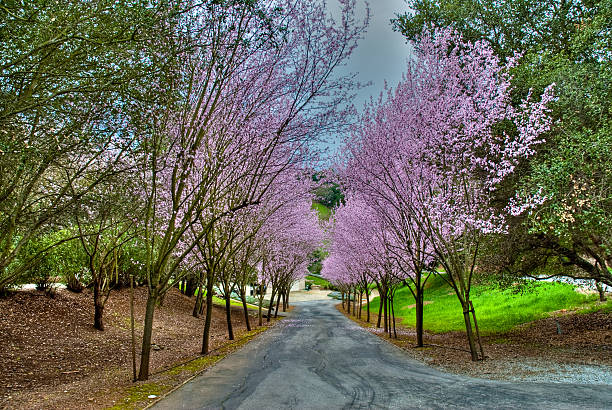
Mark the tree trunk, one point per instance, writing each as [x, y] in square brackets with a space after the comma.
[482, 355]
[602, 294]
[288, 293]
[145, 356]
[355, 302]
[197, 306]
[393, 316]
[360, 303]
[419, 315]
[98, 306]
[348, 302]
[386, 324]
[278, 299]
[368, 303]
[468, 329]
[343, 307]
[246, 309]
[190, 286]
[132, 328]
[228, 317]
[208, 320]
[380, 307]
[270, 306]
[261, 297]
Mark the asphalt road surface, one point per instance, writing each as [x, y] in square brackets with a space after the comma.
[318, 359]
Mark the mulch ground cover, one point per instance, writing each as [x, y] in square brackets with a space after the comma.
[565, 338]
[52, 357]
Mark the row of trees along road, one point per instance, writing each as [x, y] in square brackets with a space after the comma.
[562, 219]
[539, 204]
[423, 168]
[159, 136]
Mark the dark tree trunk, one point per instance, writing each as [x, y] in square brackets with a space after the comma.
[98, 306]
[348, 302]
[190, 286]
[197, 306]
[145, 356]
[354, 302]
[228, 317]
[208, 319]
[246, 309]
[368, 303]
[380, 307]
[386, 323]
[260, 305]
[360, 303]
[477, 331]
[468, 329]
[343, 307]
[393, 315]
[132, 328]
[271, 306]
[278, 299]
[419, 315]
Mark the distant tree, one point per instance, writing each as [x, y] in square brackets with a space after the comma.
[329, 194]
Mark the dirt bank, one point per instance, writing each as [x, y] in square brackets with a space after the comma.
[52, 357]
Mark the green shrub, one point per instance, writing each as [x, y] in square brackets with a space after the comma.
[53, 263]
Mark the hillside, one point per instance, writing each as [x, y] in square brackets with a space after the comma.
[497, 309]
[52, 357]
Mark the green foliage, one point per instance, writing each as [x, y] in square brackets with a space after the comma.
[329, 194]
[50, 263]
[497, 309]
[317, 261]
[74, 74]
[132, 261]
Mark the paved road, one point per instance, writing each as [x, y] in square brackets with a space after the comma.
[318, 359]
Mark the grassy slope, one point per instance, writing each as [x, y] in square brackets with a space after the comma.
[497, 310]
[318, 280]
[324, 212]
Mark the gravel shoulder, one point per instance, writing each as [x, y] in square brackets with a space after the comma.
[535, 352]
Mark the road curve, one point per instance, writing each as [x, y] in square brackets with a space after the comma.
[319, 359]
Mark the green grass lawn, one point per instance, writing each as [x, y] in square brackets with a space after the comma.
[318, 281]
[324, 212]
[497, 310]
[233, 302]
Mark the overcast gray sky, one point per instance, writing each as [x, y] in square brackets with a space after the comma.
[382, 54]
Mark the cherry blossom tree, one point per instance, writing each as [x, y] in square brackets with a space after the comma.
[361, 254]
[449, 133]
[253, 94]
